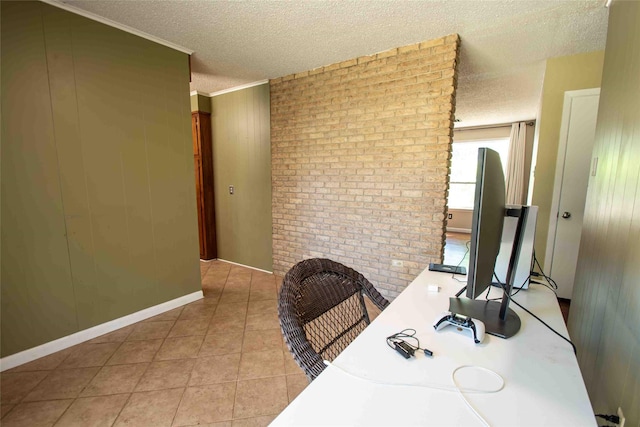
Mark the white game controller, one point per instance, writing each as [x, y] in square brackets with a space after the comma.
[475, 326]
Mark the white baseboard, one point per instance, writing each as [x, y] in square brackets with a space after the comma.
[46, 349]
[459, 230]
[247, 266]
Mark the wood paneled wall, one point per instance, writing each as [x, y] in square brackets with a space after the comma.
[242, 158]
[98, 198]
[604, 320]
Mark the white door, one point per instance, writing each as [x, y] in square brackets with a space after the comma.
[573, 166]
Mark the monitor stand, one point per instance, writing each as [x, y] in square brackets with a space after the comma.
[498, 318]
[489, 313]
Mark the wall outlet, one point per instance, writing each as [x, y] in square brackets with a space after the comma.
[397, 263]
[621, 415]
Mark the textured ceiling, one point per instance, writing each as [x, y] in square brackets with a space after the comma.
[504, 42]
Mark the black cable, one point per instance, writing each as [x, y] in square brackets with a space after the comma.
[453, 275]
[552, 282]
[499, 283]
[518, 289]
[611, 418]
[400, 338]
[545, 285]
[575, 351]
[521, 287]
[545, 324]
[552, 286]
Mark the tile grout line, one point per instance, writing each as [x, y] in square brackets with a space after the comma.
[184, 391]
[120, 343]
[133, 389]
[78, 396]
[244, 331]
[153, 359]
[199, 350]
[130, 394]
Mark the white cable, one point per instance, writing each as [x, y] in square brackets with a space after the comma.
[454, 388]
[495, 374]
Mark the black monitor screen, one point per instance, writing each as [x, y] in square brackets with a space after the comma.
[488, 218]
[486, 235]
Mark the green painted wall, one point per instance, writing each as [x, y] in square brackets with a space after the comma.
[604, 320]
[242, 158]
[200, 103]
[562, 74]
[194, 102]
[98, 199]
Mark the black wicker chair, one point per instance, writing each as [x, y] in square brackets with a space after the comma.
[321, 309]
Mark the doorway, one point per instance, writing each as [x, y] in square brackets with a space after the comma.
[203, 166]
[462, 178]
[573, 166]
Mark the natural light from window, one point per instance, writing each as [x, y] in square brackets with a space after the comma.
[464, 162]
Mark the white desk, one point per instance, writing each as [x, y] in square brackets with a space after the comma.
[543, 384]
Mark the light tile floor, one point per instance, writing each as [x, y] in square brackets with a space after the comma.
[456, 251]
[220, 361]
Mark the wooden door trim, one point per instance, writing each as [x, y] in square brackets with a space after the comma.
[203, 165]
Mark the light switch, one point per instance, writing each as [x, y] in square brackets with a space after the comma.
[231, 189]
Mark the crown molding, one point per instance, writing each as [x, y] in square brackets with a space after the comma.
[117, 25]
[235, 88]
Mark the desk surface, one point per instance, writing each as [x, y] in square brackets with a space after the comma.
[543, 384]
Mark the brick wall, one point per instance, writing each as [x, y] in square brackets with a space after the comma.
[360, 161]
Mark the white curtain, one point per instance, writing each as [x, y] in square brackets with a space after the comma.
[515, 164]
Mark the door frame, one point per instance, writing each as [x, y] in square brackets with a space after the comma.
[557, 181]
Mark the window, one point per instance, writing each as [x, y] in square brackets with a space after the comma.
[464, 161]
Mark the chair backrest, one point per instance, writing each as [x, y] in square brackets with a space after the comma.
[322, 309]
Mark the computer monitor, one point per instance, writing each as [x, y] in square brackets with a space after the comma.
[486, 234]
